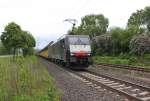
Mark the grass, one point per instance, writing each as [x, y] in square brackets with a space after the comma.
[26, 80]
[125, 59]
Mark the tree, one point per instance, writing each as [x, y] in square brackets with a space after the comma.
[116, 36]
[12, 37]
[121, 38]
[29, 43]
[141, 19]
[93, 25]
[136, 18]
[147, 17]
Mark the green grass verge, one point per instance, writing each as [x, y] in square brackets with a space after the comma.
[26, 80]
[125, 59]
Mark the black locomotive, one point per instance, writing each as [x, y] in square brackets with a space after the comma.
[71, 50]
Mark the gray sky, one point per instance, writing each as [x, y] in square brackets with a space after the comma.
[44, 18]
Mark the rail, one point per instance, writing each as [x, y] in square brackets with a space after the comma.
[133, 68]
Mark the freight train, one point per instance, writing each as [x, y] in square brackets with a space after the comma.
[73, 51]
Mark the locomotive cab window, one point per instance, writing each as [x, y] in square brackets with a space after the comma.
[79, 41]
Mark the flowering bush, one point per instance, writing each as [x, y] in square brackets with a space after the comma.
[140, 44]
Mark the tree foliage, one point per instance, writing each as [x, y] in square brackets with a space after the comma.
[93, 25]
[140, 18]
[121, 38]
[29, 43]
[4, 50]
[28, 39]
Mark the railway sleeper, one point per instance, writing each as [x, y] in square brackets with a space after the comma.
[135, 90]
[118, 86]
[99, 80]
[122, 88]
[144, 93]
[109, 82]
[112, 84]
[145, 98]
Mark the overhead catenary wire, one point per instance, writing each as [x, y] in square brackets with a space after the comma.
[78, 11]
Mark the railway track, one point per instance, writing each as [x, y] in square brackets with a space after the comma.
[133, 68]
[131, 91]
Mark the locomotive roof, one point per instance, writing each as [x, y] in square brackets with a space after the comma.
[46, 47]
[77, 35]
[62, 37]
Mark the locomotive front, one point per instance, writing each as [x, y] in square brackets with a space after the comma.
[79, 49]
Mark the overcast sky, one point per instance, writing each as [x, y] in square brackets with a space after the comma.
[44, 18]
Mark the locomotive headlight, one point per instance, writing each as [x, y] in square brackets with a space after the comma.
[72, 54]
[89, 54]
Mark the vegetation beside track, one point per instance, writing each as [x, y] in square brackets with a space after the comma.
[26, 80]
[125, 59]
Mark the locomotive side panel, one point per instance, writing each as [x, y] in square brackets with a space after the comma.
[57, 50]
[62, 49]
[50, 51]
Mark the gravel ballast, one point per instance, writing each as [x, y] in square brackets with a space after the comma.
[74, 89]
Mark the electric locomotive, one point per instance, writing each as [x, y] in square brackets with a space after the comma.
[71, 50]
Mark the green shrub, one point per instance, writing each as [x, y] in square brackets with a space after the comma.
[147, 56]
[140, 44]
[132, 60]
[124, 55]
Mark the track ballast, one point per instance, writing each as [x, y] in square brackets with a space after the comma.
[130, 90]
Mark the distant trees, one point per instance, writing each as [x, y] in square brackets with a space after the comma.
[14, 38]
[116, 41]
[92, 25]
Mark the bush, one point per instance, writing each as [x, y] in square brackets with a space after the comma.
[124, 56]
[140, 45]
[103, 44]
[147, 56]
[132, 60]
